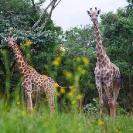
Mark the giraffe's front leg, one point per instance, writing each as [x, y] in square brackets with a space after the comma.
[99, 89]
[28, 91]
[28, 100]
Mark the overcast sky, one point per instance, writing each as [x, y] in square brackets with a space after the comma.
[71, 13]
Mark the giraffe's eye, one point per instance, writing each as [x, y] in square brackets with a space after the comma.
[90, 15]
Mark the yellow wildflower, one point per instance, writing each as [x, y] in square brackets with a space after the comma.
[58, 58]
[71, 87]
[71, 94]
[24, 113]
[28, 43]
[62, 49]
[101, 122]
[18, 103]
[85, 60]
[78, 59]
[56, 62]
[62, 90]
[44, 76]
[56, 85]
[74, 101]
[83, 71]
[79, 96]
[68, 74]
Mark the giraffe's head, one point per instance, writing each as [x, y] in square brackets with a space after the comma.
[10, 41]
[94, 14]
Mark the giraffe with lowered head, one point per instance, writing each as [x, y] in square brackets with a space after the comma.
[33, 82]
[107, 74]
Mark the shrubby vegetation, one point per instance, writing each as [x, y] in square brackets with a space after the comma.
[69, 58]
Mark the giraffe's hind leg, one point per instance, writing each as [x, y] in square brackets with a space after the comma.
[111, 102]
[50, 94]
[51, 104]
[115, 96]
[105, 101]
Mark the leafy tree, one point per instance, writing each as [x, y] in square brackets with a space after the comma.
[130, 1]
[17, 18]
[79, 43]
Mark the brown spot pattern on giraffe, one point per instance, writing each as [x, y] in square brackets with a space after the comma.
[33, 81]
[112, 70]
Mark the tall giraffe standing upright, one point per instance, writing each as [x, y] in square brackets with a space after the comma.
[107, 75]
[33, 82]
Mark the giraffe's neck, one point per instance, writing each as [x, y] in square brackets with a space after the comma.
[21, 63]
[100, 51]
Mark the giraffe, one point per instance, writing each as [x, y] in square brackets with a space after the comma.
[33, 82]
[107, 74]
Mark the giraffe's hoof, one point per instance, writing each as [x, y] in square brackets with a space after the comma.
[31, 110]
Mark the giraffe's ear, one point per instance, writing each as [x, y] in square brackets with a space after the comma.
[98, 12]
[15, 38]
[88, 12]
[5, 39]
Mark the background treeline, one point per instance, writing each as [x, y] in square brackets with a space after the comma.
[50, 43]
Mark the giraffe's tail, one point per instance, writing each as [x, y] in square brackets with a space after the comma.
[60, 89]
[121, 81]
[56, 85]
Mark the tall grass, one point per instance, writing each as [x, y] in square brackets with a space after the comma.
[14, 118]
[18, 120]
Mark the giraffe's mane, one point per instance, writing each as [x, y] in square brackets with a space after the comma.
[22, 56]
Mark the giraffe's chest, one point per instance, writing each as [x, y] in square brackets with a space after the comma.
[105, 71]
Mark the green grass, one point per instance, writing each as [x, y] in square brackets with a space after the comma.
[16, 119]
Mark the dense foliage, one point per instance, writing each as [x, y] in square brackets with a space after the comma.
[69, 57]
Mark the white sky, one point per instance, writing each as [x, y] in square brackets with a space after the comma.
[71, 13]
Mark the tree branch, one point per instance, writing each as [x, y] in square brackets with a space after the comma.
[34, 6]
[52, 4]
[50, 14]
[57, 3]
